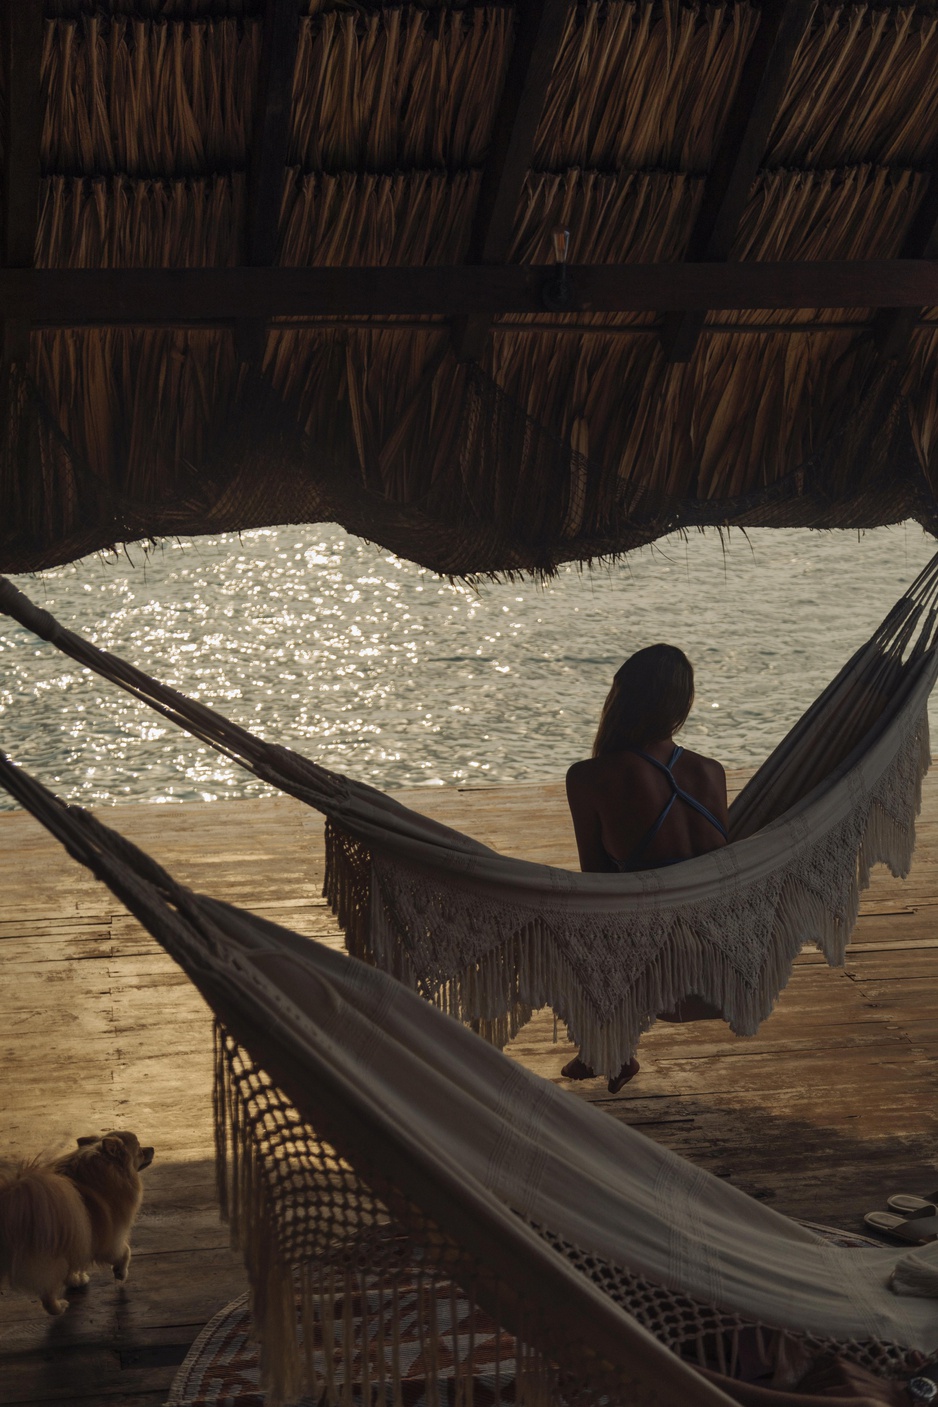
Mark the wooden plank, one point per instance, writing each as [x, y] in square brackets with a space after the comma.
[822, 1114]
[540, 30]
[268, 156]
[271, 137]
[762, 85]
[166, 297]
[893, 327]
[21, 30]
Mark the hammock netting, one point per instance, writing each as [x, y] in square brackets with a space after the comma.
[378, 1159]
[488, 938]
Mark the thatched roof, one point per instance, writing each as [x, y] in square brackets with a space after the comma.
[448, 414]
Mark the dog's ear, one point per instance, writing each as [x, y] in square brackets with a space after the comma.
[114, 1147]
[88, 1138]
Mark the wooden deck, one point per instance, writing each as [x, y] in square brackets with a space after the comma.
[832, 1105]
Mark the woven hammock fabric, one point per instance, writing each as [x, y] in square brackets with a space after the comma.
[384, 1136]
[488, 937]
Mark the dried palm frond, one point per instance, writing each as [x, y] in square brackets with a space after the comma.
[398, 88]
[148, 98]
[862, 90]
[575, 436]
[639, 85]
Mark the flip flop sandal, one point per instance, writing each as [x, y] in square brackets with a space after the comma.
[915, 1231]
[908, 1205]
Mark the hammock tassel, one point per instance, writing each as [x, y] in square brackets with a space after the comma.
[916, 1274]
[608, 973]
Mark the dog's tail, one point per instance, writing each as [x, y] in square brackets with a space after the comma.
[44, 1226]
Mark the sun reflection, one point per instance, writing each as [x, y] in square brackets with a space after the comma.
[375, 667]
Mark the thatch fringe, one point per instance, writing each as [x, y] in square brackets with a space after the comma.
[688, 431]
[159, 9]
[114, 222]
[399, 87]
[121, 222]
[384, 431]
[140, 408]
[563, 445]
[631, 217]
[862, 90]
[168, 90]
[643, 84]
[145, 98]
[421, 218]
[829, 214]
[920, 385]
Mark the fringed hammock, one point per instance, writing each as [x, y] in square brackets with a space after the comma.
[488, 938]
[377, 1160]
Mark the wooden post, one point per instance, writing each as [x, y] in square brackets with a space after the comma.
[174, 297]
[269, 153]
[21, 30]
[539, 35]
[764, 79]
[892, 327]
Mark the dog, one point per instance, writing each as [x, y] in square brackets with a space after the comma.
[60, 1218]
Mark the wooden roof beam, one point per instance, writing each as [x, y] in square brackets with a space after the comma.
[170, 297]
[270, 149]
[21, 32]
[762, 86]
[893, 327]
[540, 30]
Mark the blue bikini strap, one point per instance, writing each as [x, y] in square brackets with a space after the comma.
[676, 792]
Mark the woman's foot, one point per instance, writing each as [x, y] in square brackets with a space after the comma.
[628, 1072]
[577, 1069]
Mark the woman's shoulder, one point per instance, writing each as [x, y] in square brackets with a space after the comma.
[700, 759]
[707, 769]
[593, 772]
[579, 774]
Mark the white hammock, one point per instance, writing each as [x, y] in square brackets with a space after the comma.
[393, 1138]
[488, 938]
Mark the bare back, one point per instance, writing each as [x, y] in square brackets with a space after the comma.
[616, 799]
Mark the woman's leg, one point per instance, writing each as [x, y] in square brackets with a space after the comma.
[577, 1069]
[692, 1008]
[689, 1008]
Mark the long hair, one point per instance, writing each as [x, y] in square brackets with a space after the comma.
[650, 699]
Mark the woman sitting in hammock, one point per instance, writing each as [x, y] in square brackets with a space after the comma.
[641, 801]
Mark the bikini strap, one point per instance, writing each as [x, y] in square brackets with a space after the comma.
[676, 792]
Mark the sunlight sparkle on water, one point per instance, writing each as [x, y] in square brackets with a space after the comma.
[376, 667]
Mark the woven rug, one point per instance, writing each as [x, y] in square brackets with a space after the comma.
[222, 1369]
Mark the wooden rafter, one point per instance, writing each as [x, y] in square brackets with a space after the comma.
[893, 327]
[762, 85]
[540, 30]
[21, 30]
[170, 297]
[269, 152]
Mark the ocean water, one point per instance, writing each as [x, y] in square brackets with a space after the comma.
[381, 670]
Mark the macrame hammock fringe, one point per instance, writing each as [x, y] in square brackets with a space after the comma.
[394, 1181]
[489, 938]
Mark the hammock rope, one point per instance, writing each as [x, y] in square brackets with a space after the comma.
[367, 1143]
[488, 938]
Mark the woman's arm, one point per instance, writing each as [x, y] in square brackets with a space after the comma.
[722, 809]
[832, 1382]
[586, 823]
